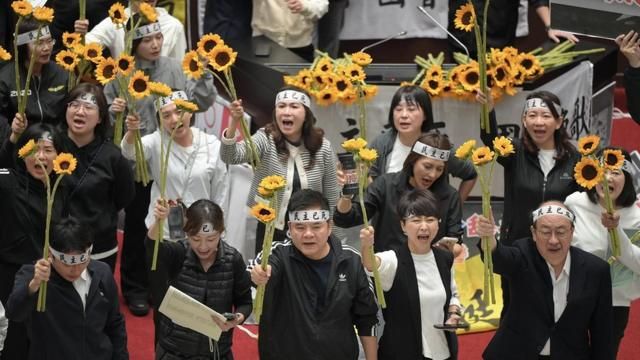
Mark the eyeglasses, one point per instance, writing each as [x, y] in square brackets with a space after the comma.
[42, 43]
[561, 233]
[77, 105]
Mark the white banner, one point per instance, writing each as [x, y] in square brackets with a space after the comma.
[461, 118]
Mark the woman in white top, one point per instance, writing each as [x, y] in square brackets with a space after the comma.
[194, 169]
[591, 234]
[419, 285]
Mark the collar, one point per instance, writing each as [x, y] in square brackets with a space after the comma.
[146, 64]
[566, 269]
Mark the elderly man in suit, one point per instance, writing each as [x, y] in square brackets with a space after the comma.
[561, 295]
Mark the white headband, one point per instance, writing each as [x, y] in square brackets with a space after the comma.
[309, 216]
[46, 136]
[207, 229]
[430, 151]
[32, 35]
[88, 98]
[72, 259]
[289, 96]
[539, 103]
[147, 30]
[553, 210]
[164, 101]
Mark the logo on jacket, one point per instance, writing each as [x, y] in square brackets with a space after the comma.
[342, 277]
[56, 89]
[14, 93]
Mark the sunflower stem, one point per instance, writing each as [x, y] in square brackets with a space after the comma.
[23, 96]
[613, 233]
[266, 253]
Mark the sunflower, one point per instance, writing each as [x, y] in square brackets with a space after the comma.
[349, 97]
[588, 172]
[528, 62]
[433, 83]
[355, 73]
[29, 148]
[465, 150]
[159, 89]
[326, 96]
[305, 77]
[465, 17]
[67, 59]
[106, 70]
[325, 65]
[93, 52]
[139, 85]
[470, 78]
[264, 192]
[503, 146]
[370, 91]
[191, 65]
[64, 163]
[149, 12]
[43, 14]
[519, 75]
[368, 155]
[263, 213]
[291, 80]
[482, 155]
[587, 145]
[612, 159]
[117, 14]
[222, 57]
[71, 39]
[500, 75]
[354, 145]
[185, 105]
[343, 86]
[273, 182]
[361, 58]
[22, 8]
[4, 54]
[207, 43]
[125, 64]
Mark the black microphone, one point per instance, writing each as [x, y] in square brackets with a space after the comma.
[401, 33]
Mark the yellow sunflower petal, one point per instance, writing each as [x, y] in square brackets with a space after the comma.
[106, 70]
[222, 57]
[159, 89]
[4, 54]
[264, 192]
[368, 155]
[354, 145]
[191, 65]
[324, 65]
[263, 213]
[64, 163]
[71, 39]
[465, 150]
[126, 64]
[117, 14]
[28, 149]
[503, 146]
[67, 59]
[588, 173]
[139, 85]
[482, 155]
[326, 96]
[207, 43]
[361, 58]
[93, 52]
[149, 12]
[273, 182]
[587, 145]
[470, 78]
[612, 159]
[355, 72]
[22, 8]
[465, 17]
[185, 105]
[43, 14]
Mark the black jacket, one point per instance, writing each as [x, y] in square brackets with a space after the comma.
[48, 91]
[525, 186]
[65, 330]
[402, 336]
[101, 185]
[632, 89]
[584, 330]
[289, 325]
[224, 287]
[381, 201]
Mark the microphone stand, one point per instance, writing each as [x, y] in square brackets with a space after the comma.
[445, 30]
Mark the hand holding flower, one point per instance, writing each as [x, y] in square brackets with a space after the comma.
[260, 276]
[81, 26]
[610, 221]
[41, 274]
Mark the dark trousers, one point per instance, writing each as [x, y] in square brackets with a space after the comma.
[16, 344]
[278, 235]
[329, 27]
[504, 284]
[620, 320]
[133, 271]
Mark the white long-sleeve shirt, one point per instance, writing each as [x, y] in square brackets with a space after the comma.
[174, 44]
[4, 324]
[273, 19]
[590, 235]
[195, 172]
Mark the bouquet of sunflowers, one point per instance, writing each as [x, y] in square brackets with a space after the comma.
[78, 59]
[340, 80]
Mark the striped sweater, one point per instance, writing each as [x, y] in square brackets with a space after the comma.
[320, 177]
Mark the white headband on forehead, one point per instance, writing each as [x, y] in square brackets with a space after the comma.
[32, 35]
[88, 98]
[309, 216]
[146, 30]
[72, 259]
[430, 151]
[553, 210]
[46, 136]
[207, 229]
[289, 96]
[539, 103]
[164, 101]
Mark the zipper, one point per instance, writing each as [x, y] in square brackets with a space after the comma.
[544, 188]
[38, 83]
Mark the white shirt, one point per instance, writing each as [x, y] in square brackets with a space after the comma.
[432, 298]
[560, 292]
[4, 324]
[398, 156]
[273, 19]
[190, 176]
[547, 160]
[82, 285]
[174, 43]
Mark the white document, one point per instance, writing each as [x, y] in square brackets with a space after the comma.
[188, 312]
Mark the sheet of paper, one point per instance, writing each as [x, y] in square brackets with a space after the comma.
[186, 311]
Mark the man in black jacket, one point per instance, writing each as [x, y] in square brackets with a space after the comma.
[317, 291]
[630, 47]
[82, 319]
[560, 295]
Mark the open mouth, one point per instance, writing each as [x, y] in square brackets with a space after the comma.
[423, 237]
[79, 122]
